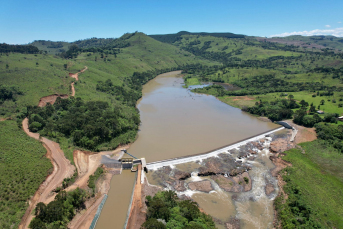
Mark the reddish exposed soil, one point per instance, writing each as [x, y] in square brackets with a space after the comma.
[76, 75]
[304, 134]
[50, 99]
[242, 98]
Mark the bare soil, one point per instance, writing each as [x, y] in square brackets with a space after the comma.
[242, 98]
[304, 134]
[50, 99]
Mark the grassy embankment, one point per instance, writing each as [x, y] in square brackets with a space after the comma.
[314, 188]
[23, 168]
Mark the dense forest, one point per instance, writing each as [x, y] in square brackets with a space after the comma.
[89, 124]
[8, 93]
[166, 210]
[28, 49]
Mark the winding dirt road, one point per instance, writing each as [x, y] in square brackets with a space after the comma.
[62, 166]
[76, 77]
[62, 169]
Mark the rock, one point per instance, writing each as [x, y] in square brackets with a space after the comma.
[280, 145]
[239, 183]
[203, 186]
[269, 189]
[179, 186]
[223, 164]
[233, 223]
[180, 175]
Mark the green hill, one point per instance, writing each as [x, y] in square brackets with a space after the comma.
[171, 38]
[51, 47]
[319, 42]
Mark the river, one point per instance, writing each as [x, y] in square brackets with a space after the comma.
[177, 122]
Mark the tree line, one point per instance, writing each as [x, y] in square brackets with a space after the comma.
[27, 49]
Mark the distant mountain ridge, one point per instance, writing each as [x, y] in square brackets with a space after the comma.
[171, 38]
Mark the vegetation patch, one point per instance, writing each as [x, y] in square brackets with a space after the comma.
[59, 212]
[93, 178]
[23, 168]
[314, 196]
[88, 124]
[166, 210]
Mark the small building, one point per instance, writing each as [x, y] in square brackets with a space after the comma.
[340, 118]
[320, 112]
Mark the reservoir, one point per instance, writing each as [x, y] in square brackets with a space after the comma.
[177, 122]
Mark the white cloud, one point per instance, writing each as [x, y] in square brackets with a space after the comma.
[339, 22]
[327, 26]
[337, 32]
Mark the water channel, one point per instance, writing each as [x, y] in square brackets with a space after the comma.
[177, 122]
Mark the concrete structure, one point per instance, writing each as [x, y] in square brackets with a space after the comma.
[186, 159]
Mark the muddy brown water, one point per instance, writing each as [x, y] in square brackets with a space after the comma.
[177, 122]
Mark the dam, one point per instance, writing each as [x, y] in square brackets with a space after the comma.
[178, 126]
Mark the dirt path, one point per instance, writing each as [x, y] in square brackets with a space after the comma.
[76, 77]
[50, 99]
[62, 169]
[62, 166]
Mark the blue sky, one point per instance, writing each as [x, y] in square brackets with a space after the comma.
[23, 21]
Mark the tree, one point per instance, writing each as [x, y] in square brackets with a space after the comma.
[153, 223]
[322, 102]
[312, 109]
[290, 97]
[303, 103]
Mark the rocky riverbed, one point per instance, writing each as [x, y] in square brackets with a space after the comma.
[236, 187]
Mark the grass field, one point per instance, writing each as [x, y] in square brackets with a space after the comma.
[328, 107]
[34, 80]
[191, 81]
[314, 181]
[23, 168]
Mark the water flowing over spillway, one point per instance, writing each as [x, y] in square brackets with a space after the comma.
[178, 123]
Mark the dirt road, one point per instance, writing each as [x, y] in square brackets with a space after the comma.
[62, 169]
[75, 76]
